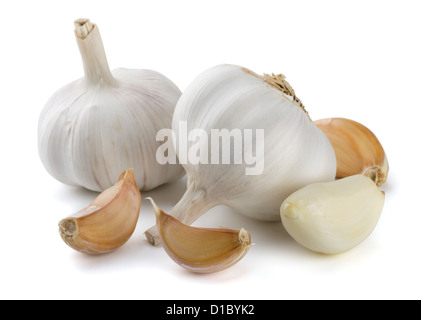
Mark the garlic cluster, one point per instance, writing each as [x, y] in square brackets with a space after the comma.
[333, 217]
[96, 127]
[294, 151]
[244, 140]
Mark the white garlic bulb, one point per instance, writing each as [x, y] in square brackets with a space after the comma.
[106, 122]
[291, 153]
[333, 217]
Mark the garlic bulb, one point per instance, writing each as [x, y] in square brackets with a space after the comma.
[264, 116]
[98, 126]
[357, 149]
[333, 217]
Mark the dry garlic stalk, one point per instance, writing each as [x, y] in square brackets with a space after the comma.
[357, 149]
[201, 250]
[333, 217]
[108, 222]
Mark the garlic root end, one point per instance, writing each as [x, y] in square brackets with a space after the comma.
[152, 235]
[68, 227]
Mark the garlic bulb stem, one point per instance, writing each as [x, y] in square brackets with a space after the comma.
[191, 206]
[93, 54]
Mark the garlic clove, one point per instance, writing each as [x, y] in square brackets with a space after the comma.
[200, 250]
[357, 149]
[108, 222]
[333, 217]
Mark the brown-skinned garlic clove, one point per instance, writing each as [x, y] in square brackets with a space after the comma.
[200, 250]
[108, 222]
[357, 149]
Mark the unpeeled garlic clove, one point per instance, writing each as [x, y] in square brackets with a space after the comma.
[200, 250]
[108, 222]
[333, 217]
[357, 149]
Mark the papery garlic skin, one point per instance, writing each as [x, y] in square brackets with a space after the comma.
[98, 126]
[357, 149]
[333, 217]
[296, 152]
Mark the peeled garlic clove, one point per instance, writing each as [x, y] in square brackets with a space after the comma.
[201, 250]
[98, 126]
[108, 222]
[357, 149]
[333, 217]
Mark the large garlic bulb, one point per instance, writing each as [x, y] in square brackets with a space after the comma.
[292, 153]
[106, 122]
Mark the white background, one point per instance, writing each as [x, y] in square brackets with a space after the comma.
[354, 59]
